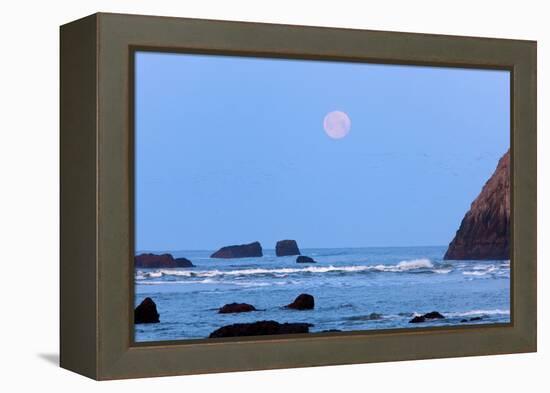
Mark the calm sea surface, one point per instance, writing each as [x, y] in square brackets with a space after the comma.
[349, 284]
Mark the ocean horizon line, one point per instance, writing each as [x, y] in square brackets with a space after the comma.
[156, 251]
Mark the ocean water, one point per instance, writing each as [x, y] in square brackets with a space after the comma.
[348, 284]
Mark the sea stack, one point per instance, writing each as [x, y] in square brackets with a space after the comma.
[239, 251]
[154, 261]
[485, 229]
[286, 247]
[146, 312]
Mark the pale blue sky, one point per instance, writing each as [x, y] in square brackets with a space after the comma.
[230, 150]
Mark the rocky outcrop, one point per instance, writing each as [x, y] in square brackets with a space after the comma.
[286, 247]
[183, 262]
[473, 319]
[146, 312]
[154, 261]
[260, 328]
[485, 229]
[304, 259]
[427, 317]
[235, 308]
[239, 251]
[304, 301]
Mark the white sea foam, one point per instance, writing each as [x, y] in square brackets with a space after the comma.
[403, 266]
[205, 281]
[480, 312]
[481, 270]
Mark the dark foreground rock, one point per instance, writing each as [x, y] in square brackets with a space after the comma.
[236, 307]
[154, 261]
[473, 319]
[427, 317]
[304, 301]
[286, 247]
[146, 312]
[239, 251]
[304, 259]
[484, 232]
[260, 328]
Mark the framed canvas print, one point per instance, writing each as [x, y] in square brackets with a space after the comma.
[318, 196]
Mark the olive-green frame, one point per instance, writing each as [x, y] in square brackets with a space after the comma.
[97, 196]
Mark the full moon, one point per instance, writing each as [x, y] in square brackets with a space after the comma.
[337, 124]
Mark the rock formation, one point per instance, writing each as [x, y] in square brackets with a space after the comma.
[236, 307]
[427, 317]
[239, 251]
[154, 261]
[260, 328]
[302, 302]
[146, 312]
[286, 247]
[473, 319]
[183, 262]
[304, 259]
[485, 230]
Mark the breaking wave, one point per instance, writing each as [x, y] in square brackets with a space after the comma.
[414, 265]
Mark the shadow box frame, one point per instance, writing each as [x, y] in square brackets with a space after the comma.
[96, 196]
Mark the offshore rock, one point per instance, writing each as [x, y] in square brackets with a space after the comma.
[304, 259]
[304, 301]
[427, 317]
[153, 261]
[236, 307]
[286, 247]
[239, 251]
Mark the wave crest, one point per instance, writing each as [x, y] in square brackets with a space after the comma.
[403, 266]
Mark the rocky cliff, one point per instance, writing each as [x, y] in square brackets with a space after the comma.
[485, 229]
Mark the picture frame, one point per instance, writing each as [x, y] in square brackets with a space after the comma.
[96, 196]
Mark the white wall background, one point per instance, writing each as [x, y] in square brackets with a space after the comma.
[29, 193]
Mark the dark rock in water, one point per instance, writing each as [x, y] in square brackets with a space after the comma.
[183, 262]
[302, 302]
[370, 317]
[433, 315]
[418, 319]
[304, 259]
[426, 317]
[236, 307]
[484, 232]
[260, 328]
[153, 261]
[239, 251]
[286, 247]
[146, 312]
[375, 316]
[473, 319]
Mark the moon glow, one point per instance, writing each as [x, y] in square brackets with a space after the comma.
[337, 124]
